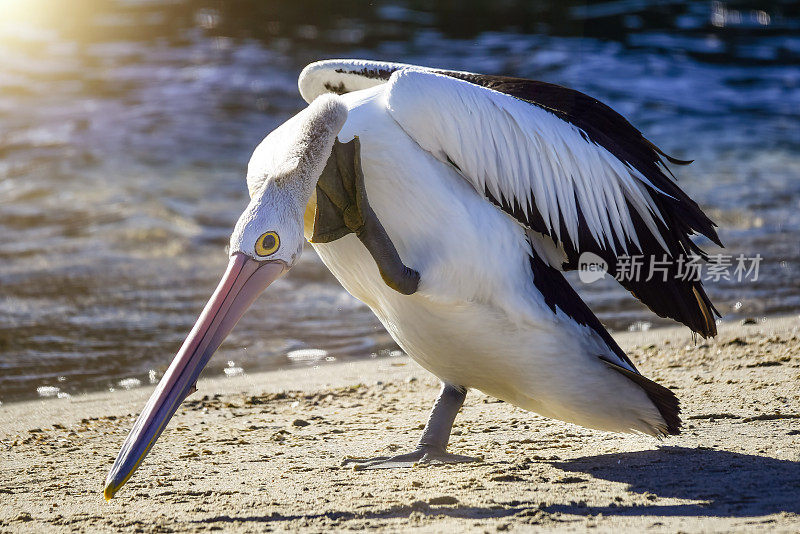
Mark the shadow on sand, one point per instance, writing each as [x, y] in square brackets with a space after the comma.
[730, 484]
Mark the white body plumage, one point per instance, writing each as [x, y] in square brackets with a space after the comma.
[477, 319]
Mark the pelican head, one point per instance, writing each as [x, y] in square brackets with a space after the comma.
[266, 242]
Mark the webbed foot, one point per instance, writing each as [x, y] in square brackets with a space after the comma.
[424, 454]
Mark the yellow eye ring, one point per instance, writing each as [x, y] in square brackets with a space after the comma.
[267, 244]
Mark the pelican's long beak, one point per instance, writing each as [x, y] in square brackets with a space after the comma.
[244, 280]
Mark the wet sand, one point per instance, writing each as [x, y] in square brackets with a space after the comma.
[262, 452]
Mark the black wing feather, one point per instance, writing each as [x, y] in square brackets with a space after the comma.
[682, 300]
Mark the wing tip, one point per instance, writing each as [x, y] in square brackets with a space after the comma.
[663, 398]
[671, 159]
[708, 326]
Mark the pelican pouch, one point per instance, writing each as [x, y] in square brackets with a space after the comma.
[342, 208]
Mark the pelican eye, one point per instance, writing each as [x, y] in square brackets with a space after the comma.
[267, 244]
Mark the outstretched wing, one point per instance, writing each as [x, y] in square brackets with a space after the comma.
[568, 167]
[560, 162]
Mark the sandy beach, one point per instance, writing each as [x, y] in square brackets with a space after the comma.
[263, 452]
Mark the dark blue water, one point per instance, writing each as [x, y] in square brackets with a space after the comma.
[126, 126]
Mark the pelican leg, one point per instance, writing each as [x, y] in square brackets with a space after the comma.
[432, 446]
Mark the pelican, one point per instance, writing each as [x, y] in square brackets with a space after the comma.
[451, 203]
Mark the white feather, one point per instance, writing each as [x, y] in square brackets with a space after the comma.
[342, 76]
[515, 150]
